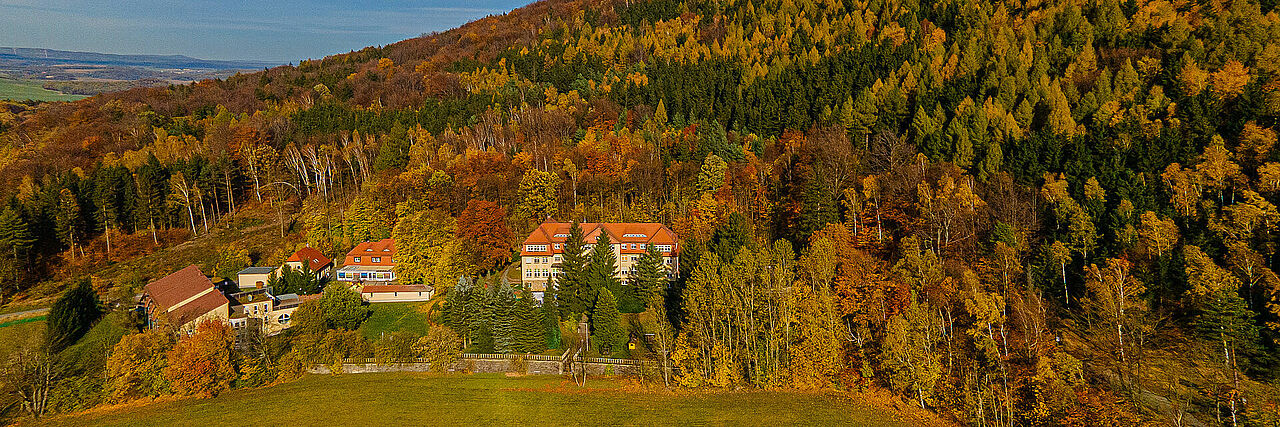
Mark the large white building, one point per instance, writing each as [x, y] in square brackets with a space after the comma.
[543, 251]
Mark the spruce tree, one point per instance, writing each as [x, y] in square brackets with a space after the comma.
[480, 313]
[651, 275]
[606, 326]
[455, 310]
[506, 326]
[602, 269]
[72, 315]
[550, 323]
[529, 318]
[572, 268]
[1227, 320]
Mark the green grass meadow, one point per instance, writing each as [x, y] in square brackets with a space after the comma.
[22, 90]
[396, 316]
[440, 399]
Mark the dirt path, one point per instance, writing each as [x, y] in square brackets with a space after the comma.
[22, 314]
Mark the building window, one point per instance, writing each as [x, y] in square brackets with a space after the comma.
[377, 259]
[642, 246]
[357, 259]
[557, 246]
[535, 248]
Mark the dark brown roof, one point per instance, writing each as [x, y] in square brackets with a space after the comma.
[317, 259]
[186, 284]
[199, 307]
[179, 286]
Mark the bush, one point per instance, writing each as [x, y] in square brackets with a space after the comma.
[396, 347]
[441, 347]
[136, 366]
[343, 308]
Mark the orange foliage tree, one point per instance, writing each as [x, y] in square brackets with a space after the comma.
[482, 226]
[200, 364]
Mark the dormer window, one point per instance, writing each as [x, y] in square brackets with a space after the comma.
[368, 249]
[377, 259]
[357, 259]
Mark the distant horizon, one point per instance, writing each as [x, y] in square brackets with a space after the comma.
[8, 50]
[281, 32]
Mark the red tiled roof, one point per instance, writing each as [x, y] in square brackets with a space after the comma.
[171, 291]
[317, 259]
[199, 307]
[549, 233]
[179, 286]
[377, 289]
[384, 249]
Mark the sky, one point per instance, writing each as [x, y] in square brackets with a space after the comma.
[284, 31]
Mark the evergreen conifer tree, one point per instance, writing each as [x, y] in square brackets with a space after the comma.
[506, 326]
[529, 320]
[602, 268]
[569, 284]
[480, 312]
[651, 275]
[606, 325]
[72, 315]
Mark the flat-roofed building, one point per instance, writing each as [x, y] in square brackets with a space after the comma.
[543, 251]
[254, 277]
[396, 293]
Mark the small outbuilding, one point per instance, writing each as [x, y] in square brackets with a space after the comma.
[254, 277]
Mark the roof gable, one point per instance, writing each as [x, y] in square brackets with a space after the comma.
[181, 286]
[316, 260]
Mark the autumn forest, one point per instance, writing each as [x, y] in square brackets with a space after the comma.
[1035, 212]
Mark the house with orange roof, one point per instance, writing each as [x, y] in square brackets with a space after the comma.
[542, 252]
[371, 269]
[183, 299]
[319, 264]
[370, 262]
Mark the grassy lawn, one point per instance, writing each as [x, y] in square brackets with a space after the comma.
[396, 316]
[431, 399]
[22, 321]
[21, 90]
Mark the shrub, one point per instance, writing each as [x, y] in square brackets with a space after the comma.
[441, 347]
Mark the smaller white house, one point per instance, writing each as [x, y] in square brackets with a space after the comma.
[254, 277]
[396, 293]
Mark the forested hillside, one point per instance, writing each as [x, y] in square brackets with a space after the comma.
[1012, 213]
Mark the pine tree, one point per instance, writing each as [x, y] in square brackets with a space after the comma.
[606, 326]
[69, 220]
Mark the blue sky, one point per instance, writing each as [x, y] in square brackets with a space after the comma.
[269, 30]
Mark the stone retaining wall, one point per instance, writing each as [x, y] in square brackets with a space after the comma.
[491, 365]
